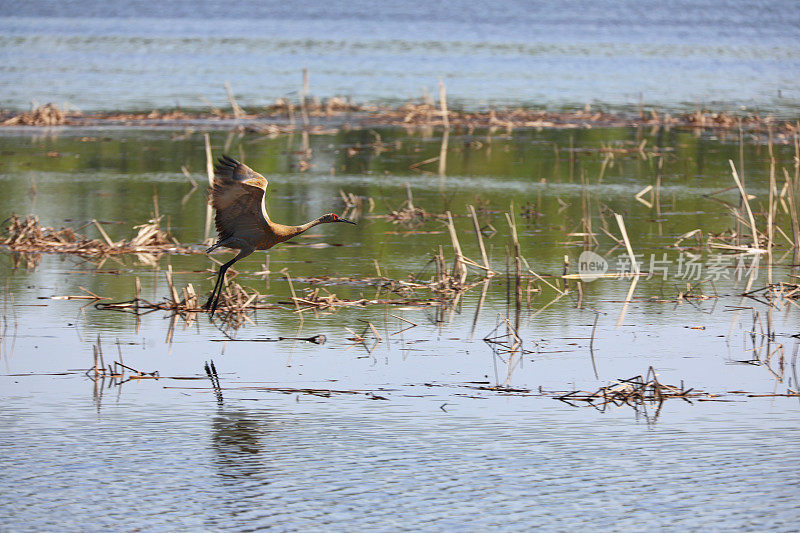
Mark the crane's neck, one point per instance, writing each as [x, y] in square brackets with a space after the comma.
[307, 226]
[281, 233]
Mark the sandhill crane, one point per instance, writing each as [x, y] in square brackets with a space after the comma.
[241, 218]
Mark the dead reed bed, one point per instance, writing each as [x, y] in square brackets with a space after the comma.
[117, 371]
[322, 299]
[286, 116]
[781, 294]
[634, 392]
[410, 214]
[46, 115]
[236, 304]
[27, 235]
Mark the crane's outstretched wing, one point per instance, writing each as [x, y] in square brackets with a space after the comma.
[238, 197]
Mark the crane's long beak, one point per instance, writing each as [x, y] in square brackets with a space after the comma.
[345, 220]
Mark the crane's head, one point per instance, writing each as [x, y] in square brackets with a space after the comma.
[333, 217]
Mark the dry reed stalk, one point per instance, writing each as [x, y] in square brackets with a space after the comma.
[410, 197]
[443, 152]
[404, 320]
[628, 299]
[512, 224]
[459, 269]
[304, 98]
[237, 111]
[375, 331]
[638, 196]
[746, 202]
[172, 291]
[440, 266]
[104, 234]
[291, 288]
[792, 209]
[100, 355]
[155, 203]
[443, 104]
[93, 295]
[479, 235]
[537, 276]
[621, 224]
[414, 166]
[138, 291]
[772, 206]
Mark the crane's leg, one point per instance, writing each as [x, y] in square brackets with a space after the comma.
[213, 300]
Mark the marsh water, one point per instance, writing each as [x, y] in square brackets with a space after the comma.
[142, 55]
[432, 427]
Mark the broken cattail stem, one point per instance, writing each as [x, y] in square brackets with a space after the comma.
[746, 202]
[771, 208]
[100, 354]
[304, 98]
[172, 290]
[540, 278]
[443, 104]
[792, 209]
[237, 111]
[410, 197]
[440, 268]
[375, 331]
[103, 233]
[156, 214]
[443, 152]
[479, 235]
[459, 269]
[404, 319]
[517, 260]
[291, 288]
[621, 224]
[138, 286]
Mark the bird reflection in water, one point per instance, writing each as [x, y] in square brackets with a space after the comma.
[236, 440]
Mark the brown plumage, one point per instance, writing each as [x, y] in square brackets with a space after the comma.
[241, 218]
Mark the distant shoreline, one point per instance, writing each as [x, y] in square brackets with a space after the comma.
[321, 117]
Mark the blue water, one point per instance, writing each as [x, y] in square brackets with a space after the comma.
[312, 465]
[136, 55]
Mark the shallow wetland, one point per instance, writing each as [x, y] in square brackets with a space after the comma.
[359, 374]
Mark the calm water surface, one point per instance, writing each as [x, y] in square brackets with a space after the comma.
[436, 453]
[139, 55]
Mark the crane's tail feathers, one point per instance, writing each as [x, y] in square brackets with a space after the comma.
[214, 247]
